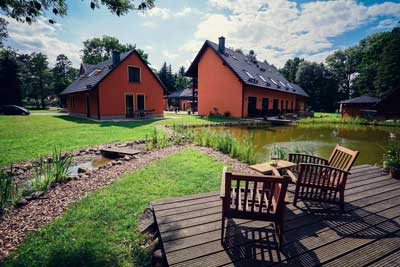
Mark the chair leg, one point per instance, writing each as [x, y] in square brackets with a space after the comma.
[222, 230]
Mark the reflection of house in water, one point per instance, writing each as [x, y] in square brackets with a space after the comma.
[366, 106]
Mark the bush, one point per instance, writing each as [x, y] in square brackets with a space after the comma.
[391, 158]
[8, 189]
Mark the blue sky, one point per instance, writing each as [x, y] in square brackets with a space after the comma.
[174, 30]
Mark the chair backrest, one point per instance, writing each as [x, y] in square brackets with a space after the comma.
[342, 158]
[254, 194]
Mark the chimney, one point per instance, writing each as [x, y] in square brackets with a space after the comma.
[116, 57]
[221, 44]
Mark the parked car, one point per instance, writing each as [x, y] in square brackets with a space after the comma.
[13, 110]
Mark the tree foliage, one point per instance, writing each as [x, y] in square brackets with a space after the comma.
[371, 67]
[96, 50]
[10, 90]
[173, 81]
[63, 74]
[320, 84]
[3, 31]
[30, 10]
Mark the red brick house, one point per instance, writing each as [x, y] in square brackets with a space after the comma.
[118, 88]
[229, 82]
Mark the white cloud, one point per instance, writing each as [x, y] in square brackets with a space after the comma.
[163, 13]
[167, 54]
[280, 29]
[41, 37]
[386, 24]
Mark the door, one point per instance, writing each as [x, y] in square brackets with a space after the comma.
[87, 106]
[264, 106]
[252, 106]
[129, 106]
[140, 102]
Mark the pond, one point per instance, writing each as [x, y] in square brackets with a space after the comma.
[320, 139]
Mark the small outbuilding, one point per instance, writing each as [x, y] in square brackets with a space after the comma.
[183, 99]
[363, 106]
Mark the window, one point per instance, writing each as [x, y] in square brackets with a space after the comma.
[274, 81]
[281, 105]
[262, 78]
[291, 105]
[134, 74]
[287, 105]
[248, 74]
[284, 85]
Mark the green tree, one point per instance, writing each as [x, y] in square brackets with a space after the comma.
[388, 70]
[9, 81]
[320, 84]
[30, 10]
[3, 31]
[181, 81]
[290, 68]
[40, 78]
[343, 64]
[96, 50]
[63, 74]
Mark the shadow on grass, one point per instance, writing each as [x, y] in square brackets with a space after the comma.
[126, 124]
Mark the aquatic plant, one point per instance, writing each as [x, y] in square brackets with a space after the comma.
[8, 189]
[60, 164]
[154, 140]
[43, 176]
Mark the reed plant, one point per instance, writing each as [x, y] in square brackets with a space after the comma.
[282, 152]
[60, 164]
[43, 176]
[156, 141]
[8, 190]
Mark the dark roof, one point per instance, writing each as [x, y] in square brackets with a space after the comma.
[250, 72]
[94, 74]
[365, 99]
[185, 93]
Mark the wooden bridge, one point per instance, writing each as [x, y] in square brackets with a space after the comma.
[366, 234]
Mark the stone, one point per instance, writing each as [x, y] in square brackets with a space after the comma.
[119, 162]
[81, 170]
[127, 158]
[157, 258]
[22, 202]
[37, 194]
[145, 221]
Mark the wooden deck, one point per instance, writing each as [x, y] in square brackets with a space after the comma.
[368, 233]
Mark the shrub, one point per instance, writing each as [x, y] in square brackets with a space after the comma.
[156, 141]
[43, 176]
[391, 157]
[8, 189]
[61, 164]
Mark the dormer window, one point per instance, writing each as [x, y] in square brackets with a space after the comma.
[134, 74]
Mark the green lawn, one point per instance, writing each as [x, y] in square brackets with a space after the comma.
[100, 230]
[29, 137]
[326, 115]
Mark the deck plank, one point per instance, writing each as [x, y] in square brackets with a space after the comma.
[367, 233]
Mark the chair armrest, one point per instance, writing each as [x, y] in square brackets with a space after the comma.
[223, 178]
[291, 176]
[305, 158]
[275, 172]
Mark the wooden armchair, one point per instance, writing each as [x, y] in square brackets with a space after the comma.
[254, 197]
[322, 180]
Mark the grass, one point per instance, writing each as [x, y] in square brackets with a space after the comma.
[339, 120]
[326, 115]
[100, 230]
[29, 137]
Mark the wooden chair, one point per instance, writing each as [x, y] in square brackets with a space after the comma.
[319, 179]
[254, 197]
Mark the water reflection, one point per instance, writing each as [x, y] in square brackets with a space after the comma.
[321, 139]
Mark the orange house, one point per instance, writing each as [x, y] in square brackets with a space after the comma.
[118, 88]
[231, 83]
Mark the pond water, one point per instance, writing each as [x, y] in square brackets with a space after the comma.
[89, 165]
[321, 139]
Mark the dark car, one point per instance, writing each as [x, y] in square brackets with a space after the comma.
[13, 110]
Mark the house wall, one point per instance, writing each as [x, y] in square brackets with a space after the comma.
[219, 90]
[261, 93]
[78, 107]
[185, 104]
[116, 85]
[349, 110]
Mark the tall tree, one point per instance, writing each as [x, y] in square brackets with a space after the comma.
[320, 84]
[290, 68]
[343, 64]
[30, 10]
[181, 81]
[3, 31]
[41, 76]
[96, 50]
[9, 82]
[63, 73]
[388, 70]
